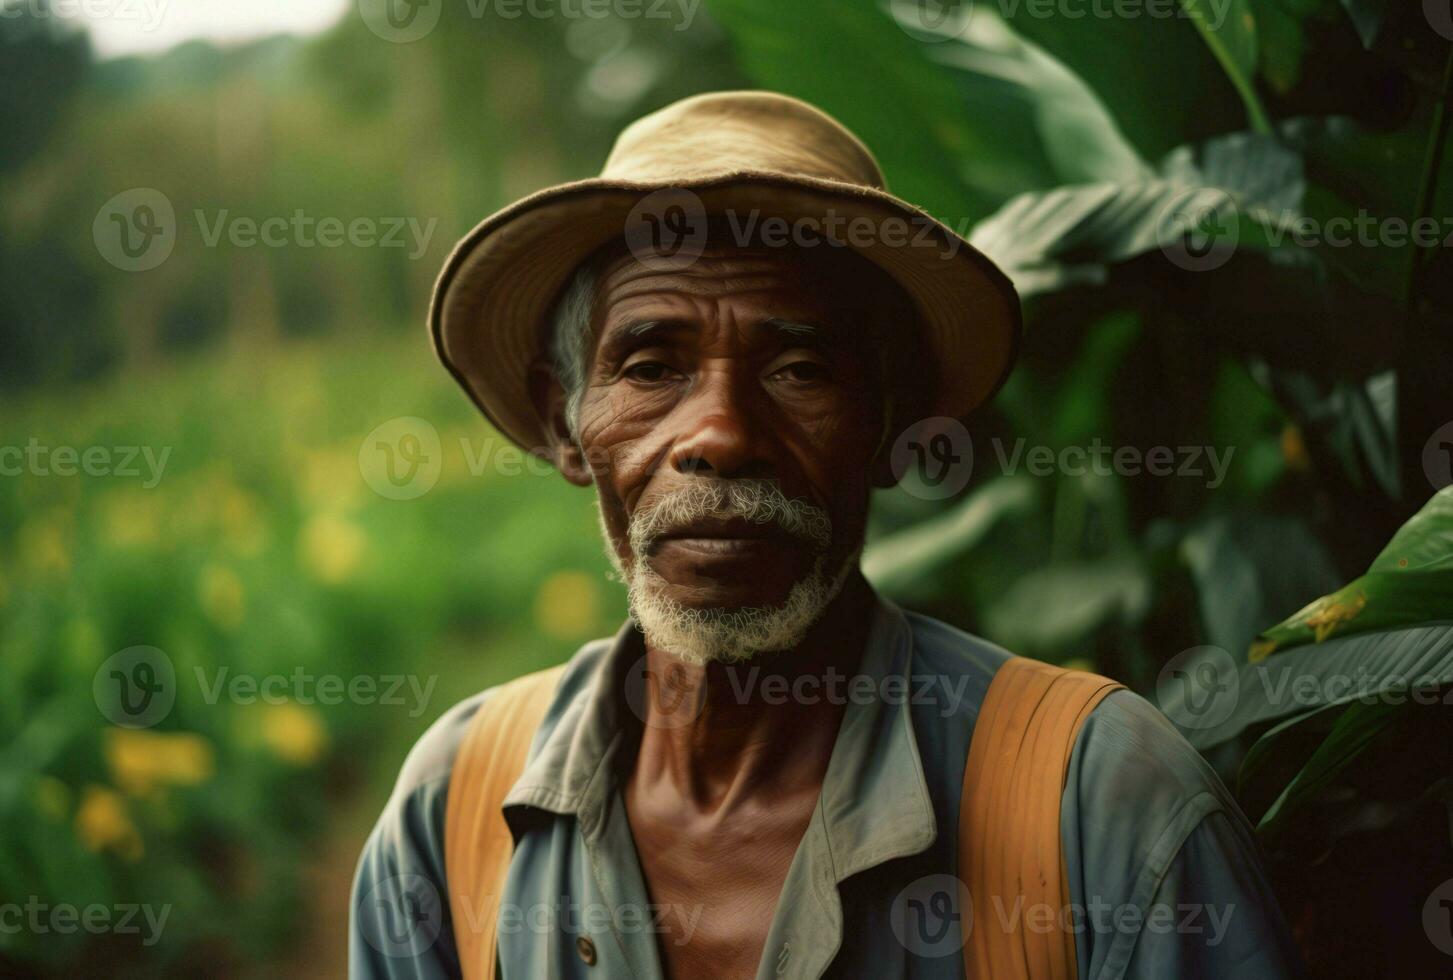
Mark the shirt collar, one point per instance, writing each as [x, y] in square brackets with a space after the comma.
[875, 803]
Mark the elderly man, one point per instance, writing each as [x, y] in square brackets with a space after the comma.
[770, 771]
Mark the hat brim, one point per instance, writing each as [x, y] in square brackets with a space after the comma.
[491, 305]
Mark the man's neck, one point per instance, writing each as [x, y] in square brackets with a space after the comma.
[719, 734]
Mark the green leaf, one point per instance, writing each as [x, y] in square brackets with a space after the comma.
[1357, 728]
[1363, 667]
[1410, 582]
[1052, 611]
[1248, 566]
[1159, 78]
[957, 154]
[1068, 236]
[1230, 32]
[998, 69]
[894, 563]
[1367, 16]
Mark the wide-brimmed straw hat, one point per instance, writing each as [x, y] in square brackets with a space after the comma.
[776, 168]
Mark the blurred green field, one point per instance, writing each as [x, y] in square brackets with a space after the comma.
[261, 549]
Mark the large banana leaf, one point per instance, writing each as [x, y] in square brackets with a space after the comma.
[1410, 582]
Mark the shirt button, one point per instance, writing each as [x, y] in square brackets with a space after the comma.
[586, 949]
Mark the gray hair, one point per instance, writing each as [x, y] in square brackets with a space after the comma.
[570, 339]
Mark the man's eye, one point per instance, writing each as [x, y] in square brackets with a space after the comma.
[647, 372]
[802, 372]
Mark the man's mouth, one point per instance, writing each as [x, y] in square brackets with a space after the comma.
[725, 538]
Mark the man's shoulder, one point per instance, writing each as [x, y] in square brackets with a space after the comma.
[431, 760]
[1129, 746]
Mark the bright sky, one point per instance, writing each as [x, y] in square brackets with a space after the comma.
[145, 26]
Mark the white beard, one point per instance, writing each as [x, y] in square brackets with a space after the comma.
[706, 635]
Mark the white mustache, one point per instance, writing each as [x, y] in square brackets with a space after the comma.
[757, 501]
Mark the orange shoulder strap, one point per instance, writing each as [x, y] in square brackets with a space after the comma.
[1010, 855]
[477, 841]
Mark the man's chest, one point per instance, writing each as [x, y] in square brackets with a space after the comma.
[718, 881]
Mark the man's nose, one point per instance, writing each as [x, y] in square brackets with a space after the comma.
[722, 434]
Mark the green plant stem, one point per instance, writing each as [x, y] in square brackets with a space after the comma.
[1428, 185]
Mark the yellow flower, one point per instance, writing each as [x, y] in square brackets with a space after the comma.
[43, 547]
[567, 605]
[141, 761]
[243, 526]
[131, 517]
[294, 733]
[222, 596]
[330, 479]
[1294, 449]
[331, 547]
[103, 824]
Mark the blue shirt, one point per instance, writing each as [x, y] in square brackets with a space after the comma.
[1164, 875]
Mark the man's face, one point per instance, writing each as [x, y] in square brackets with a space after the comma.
[747, 366]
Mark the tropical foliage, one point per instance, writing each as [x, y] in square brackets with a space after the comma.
[1234, 379]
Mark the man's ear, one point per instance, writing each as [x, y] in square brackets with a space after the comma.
[549, 399]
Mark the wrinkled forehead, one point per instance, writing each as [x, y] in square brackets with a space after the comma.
[827, 284]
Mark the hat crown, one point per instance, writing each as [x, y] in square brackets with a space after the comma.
[732, 133]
